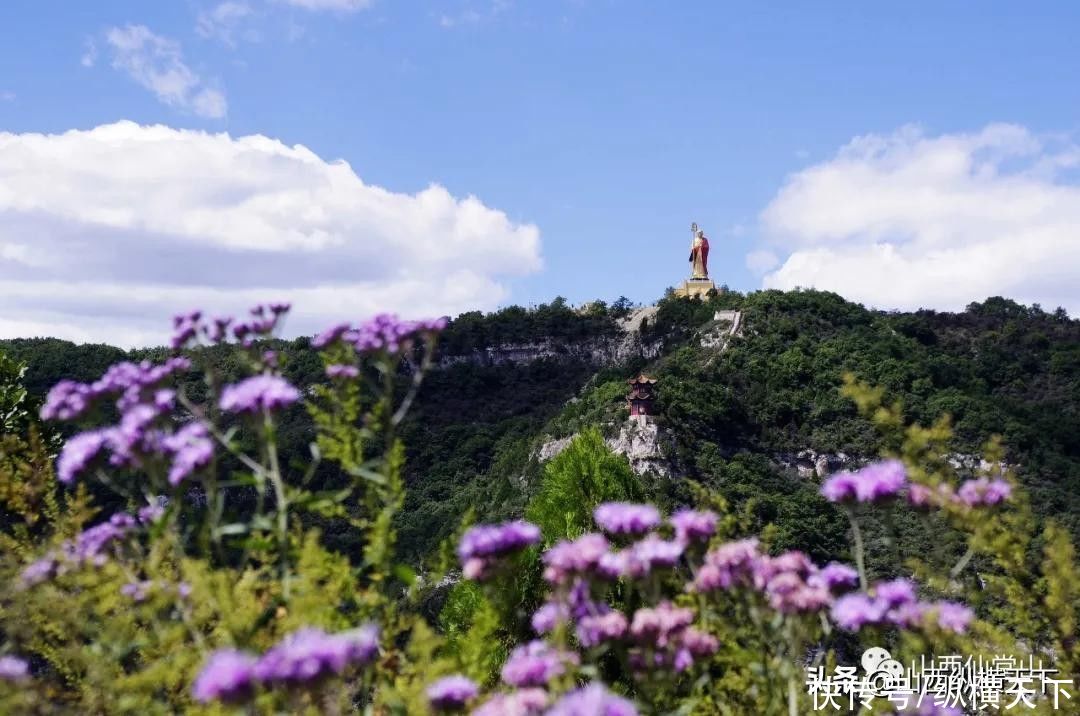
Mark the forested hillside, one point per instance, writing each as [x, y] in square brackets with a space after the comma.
[472, 440]
[271, 497]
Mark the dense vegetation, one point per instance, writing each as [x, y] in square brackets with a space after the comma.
[997, 368]
[269, 526]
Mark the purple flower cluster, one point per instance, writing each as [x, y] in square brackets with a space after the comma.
[338, 370]
[657, 625]
[229, 675]
[984, 492]
[144, 429]
[535, 664]
[641, 558]
[451, 693]
[666, 640]
[191, 448]
[694, 525]
[523, 702]
[548, 616]
[189, 328]
[89, 547]
[894, 603]
[383, 333]
[567, 559]
[259, 393]
[593, 629]
[137, 591]
[790, 582]
[481, 546]
[303, 657]
[592, 700]
[981, 492]
[873, 483]
[310, 653]
[130, 383]
[625, 518]
[12, 668]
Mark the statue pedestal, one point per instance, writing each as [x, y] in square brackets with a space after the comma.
[695, 288]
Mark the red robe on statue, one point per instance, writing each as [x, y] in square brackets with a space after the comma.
[704, 249]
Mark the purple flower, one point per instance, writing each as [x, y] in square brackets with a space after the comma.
[566, 559]
[78, 453]
[593, 629]
[497, 540]
[592, 700]
[625, 518]
[523, 702]
[228, 675]
[191, 448]
[451, 692]
[699, 643]
[90, 546]
[730, 564]
[953, 616]
[873, 483]
[67, 400]
[920, 495]
[853, 611]
[836, 576]
[658, 625]
[386, 332]
[330, 335]
[39, 571]
[839, 488]
[342, 371]
[650, 553]
[12, 668]
[896, 592]
[984, 492]
[137, 591]
[894, 603]
[548, 616]
[535, 664]
[310, 653]
[152, 512]
[258, 393]
[694, 526]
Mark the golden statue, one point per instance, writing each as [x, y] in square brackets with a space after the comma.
[699, 254]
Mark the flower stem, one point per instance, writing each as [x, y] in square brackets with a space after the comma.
[282, 501]
[856, 536]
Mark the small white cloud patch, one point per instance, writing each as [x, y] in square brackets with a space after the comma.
[157, 63]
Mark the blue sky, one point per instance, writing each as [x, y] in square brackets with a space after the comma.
[596, 130]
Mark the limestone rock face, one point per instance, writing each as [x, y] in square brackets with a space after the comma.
[808, 463]
[625, 345]
[641, 442]
[551, 448]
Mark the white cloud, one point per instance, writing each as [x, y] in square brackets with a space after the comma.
[335, 5]
[907, 220]
[7, 96]
[761, 261]
[222, 22]
[104, 233]
[157, 63]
